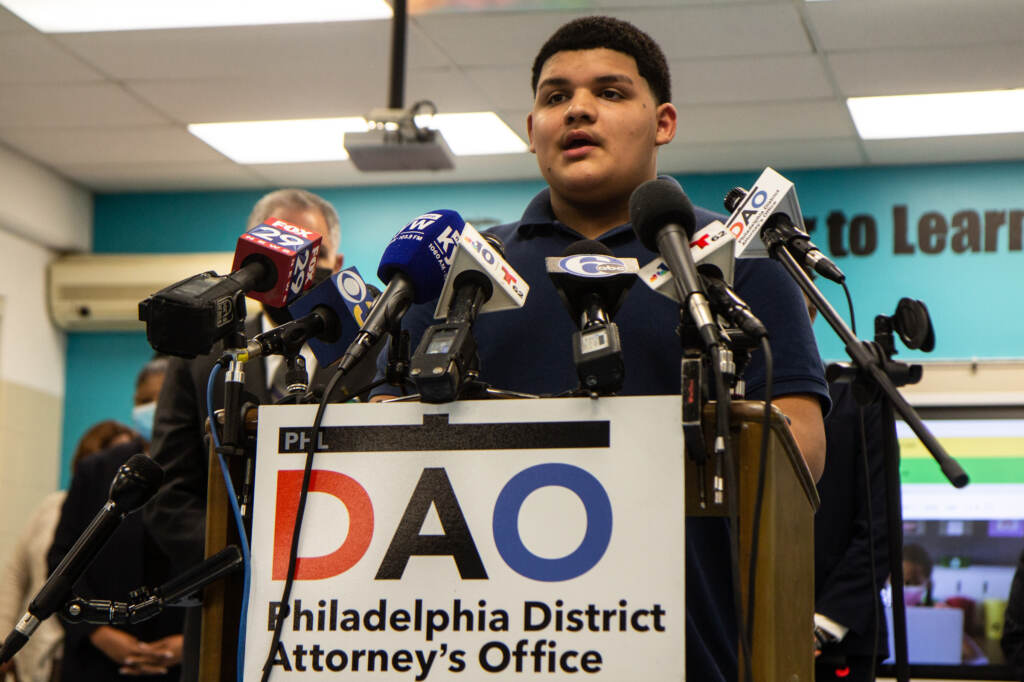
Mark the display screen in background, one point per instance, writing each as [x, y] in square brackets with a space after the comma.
[972, 536]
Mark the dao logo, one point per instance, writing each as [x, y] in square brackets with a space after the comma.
[434, 491]
[592, 265]
[755, 199]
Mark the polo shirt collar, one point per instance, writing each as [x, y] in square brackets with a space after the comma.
[539, 214]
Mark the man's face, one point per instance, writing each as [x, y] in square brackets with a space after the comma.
[595, 126]
[313, 219]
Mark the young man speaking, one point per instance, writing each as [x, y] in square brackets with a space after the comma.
[601, 110]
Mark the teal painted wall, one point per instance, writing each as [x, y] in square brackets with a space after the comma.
[973, 295]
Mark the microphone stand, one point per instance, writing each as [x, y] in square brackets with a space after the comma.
[875, 375]
[144, 603]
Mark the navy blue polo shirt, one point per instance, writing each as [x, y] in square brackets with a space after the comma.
[529, 350]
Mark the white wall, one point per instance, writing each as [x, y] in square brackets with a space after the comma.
[40, 215]
[43, 207]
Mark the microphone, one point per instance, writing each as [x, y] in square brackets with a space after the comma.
[414, 266]
[136, 481]
[712, 251]
[664, 221]
[274, 262]
[592, 284]
[479, 281]
[769, 213]
[327, 317]
[726, 303]
[711, 248]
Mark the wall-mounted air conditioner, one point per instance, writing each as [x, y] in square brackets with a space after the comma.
[101, 292]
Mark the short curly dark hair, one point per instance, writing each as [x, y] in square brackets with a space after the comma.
[592, 32]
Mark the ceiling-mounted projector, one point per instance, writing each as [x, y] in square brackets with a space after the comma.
[395, 143]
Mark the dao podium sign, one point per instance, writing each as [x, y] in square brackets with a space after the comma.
[501, 539]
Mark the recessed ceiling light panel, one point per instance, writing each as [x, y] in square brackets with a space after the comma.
[81, 16]
[938, 115]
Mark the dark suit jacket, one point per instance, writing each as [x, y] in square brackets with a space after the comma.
[842, 562]
[176, 517]
[127, 562]
[1013, 627]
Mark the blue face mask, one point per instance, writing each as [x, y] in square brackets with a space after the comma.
[142, 419]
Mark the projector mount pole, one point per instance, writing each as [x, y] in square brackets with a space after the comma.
[399, 24]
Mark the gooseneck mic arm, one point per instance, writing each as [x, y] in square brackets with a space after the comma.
[147, 603]
[136, 481]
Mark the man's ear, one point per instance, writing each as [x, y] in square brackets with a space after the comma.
[338, 263]
[529, 132]
[666, 117]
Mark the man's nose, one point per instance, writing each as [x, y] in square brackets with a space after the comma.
[580, 107]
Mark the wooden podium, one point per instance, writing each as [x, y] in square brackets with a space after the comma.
[783, 622]
[784, 604]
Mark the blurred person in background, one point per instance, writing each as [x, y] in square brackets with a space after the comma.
[129, 560]
[24, 571]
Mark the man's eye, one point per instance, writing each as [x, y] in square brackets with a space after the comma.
[556, 98]
[611, 94]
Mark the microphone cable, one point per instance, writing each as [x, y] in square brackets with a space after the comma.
[762, 467]
[218, 367]
[300, 512]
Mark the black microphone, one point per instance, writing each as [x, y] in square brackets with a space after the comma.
[780, 230]
[729, 305]
[592, 284]
[327, 318]
[274, 262]
[414, 266]
[136, 481]
[664, 222]
[447, 351]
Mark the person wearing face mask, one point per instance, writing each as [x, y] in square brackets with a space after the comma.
[176, 516]
[129, 560]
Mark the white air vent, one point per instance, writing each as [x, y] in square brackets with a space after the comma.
[100, 292]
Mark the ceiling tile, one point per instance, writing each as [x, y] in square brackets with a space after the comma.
[506, 87]
[143, 177]
[94, 105]
[818, 119]
[157, 144]
[724, 30]
[32, 58]
[753, 156]
[491, 38]
[358, 49]
[450, 89]
[963, 148]
[926, 70]
[343, 173]
[274, 97]
[10, 22]
[772, 78]
[496, 38]
[914, 23]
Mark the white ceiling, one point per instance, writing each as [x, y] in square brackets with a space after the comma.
[757, 82]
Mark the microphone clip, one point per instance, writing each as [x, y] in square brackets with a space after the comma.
[443, 361]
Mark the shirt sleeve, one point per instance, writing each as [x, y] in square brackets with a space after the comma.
[778, 302]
